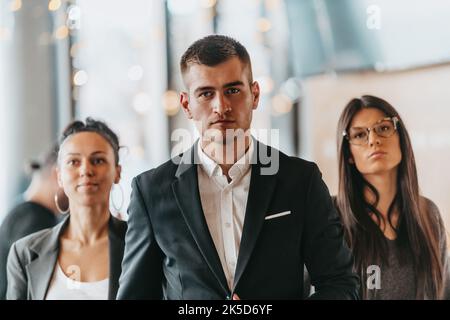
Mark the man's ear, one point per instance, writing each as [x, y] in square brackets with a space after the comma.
[184, 101]
[256, 94]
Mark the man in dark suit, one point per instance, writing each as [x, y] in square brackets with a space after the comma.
[231, 218]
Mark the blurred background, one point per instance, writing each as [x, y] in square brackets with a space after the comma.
[118, 61]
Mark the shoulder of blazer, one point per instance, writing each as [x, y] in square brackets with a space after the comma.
[25, 244]
[32, 245]
[164, 175]
[159, 174]
[291, 166]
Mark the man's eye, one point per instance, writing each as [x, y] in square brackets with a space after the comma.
[232, 91]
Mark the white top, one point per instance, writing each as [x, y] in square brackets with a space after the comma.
[224, 205]
[64, 288]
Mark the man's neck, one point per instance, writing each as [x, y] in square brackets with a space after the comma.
[226, 154]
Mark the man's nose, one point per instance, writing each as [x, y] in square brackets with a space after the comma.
[221, 104]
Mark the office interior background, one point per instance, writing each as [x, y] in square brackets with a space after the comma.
[118, 61]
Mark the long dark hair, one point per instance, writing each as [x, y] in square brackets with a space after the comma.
[416, 231]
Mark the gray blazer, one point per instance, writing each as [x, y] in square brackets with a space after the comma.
[32, 259]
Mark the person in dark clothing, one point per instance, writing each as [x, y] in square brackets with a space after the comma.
[38, 210]
[397, 236]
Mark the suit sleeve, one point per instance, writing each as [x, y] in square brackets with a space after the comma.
[327, 257]
[141, 276]
[16, 276]
[14, 228]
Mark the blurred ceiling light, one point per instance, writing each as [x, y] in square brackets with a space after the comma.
[266, 84]
[74, 12]
[281, 104]
[264, 24]
[61, 33]
[292, 88]
[171, 102]
[208, 3]
[142, 103]
[272, 5]
[73, 17]
[54, 5]
[80, 78]
[182, 7]
[135, 73]
[15, 5]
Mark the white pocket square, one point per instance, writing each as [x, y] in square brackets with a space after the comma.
[277, 215]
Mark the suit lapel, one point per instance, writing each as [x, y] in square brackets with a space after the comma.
[116, 248]
[260, 193]
[187, 195]
[40, 270]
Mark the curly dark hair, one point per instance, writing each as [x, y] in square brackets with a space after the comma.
[97, 126]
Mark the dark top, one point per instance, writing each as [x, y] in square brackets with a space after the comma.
[398, 280]
[24, 219]
[169, 252]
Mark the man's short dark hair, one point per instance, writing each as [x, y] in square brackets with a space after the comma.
[213, 50]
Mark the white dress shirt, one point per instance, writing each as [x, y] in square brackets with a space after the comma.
[224, 205]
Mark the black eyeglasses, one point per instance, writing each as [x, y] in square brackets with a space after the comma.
[384, 128]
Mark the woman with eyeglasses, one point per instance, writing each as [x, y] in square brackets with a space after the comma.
[80, 258]
[397, 236]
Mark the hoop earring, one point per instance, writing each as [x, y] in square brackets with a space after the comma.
[117, 208]
[58, 207]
